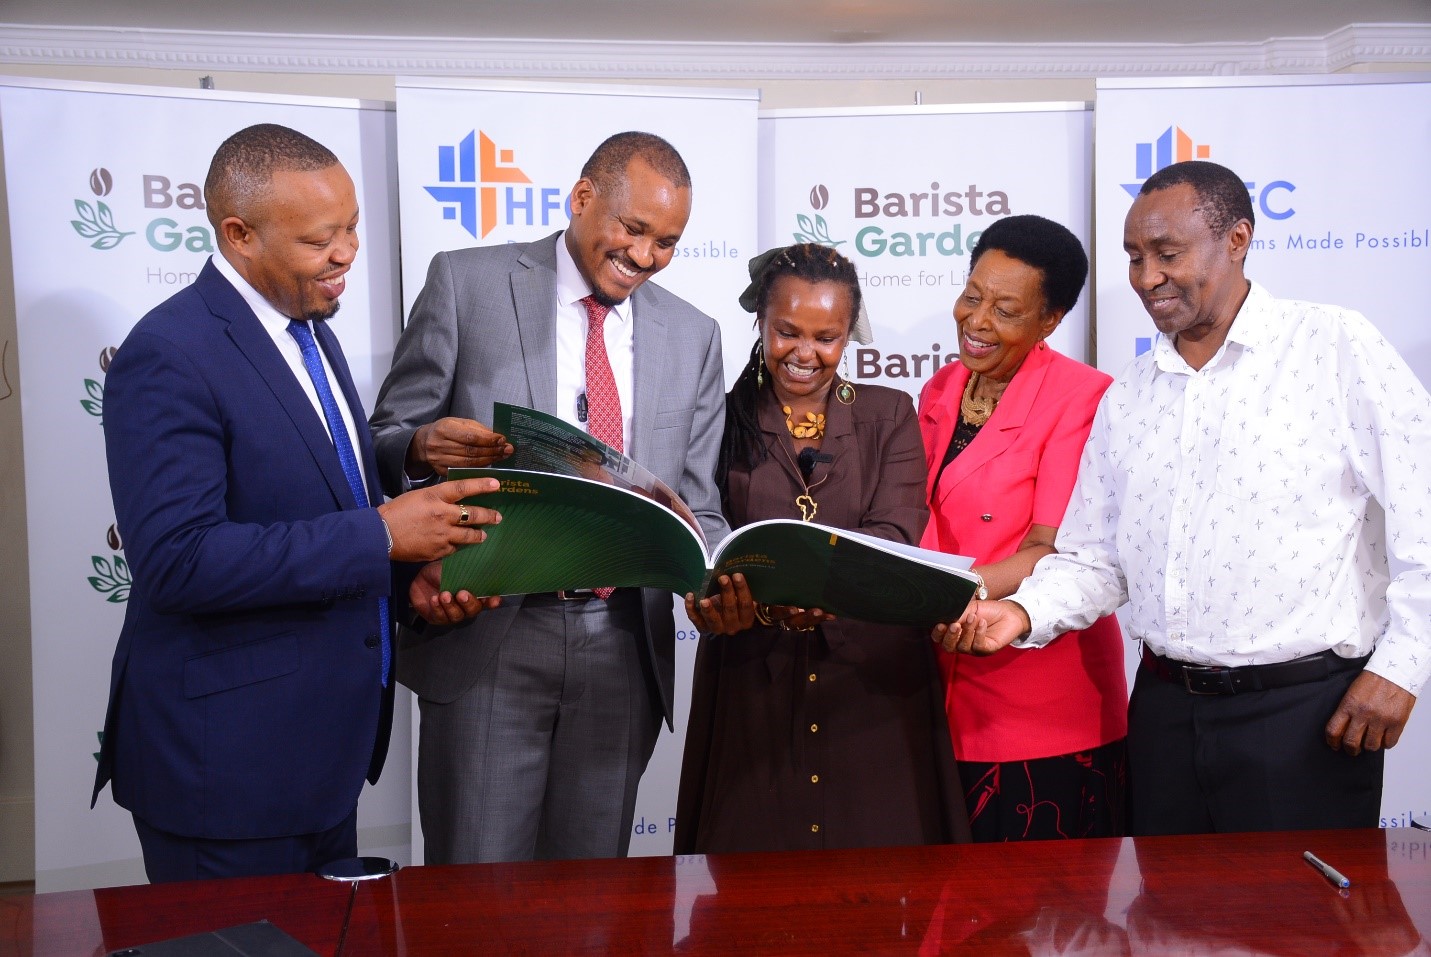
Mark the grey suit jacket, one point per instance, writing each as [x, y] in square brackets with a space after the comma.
[483, 330]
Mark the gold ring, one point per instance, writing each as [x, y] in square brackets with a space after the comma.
[463, 517]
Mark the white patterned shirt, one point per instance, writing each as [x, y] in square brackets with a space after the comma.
[1245, 510]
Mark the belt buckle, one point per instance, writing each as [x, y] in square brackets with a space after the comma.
[575, 594]
[1221, 683]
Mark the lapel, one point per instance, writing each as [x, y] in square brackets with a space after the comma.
[999, 433]
[649, 348]
[534, 297]
[250, 338]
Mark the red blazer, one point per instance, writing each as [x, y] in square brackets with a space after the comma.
[1019, 471]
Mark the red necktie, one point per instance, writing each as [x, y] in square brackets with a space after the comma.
[603, 402]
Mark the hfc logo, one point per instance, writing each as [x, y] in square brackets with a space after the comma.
[482, 188]
[1174, 145]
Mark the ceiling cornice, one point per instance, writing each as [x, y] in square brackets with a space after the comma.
[1354, 45]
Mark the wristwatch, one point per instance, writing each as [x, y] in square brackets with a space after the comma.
[389, 533]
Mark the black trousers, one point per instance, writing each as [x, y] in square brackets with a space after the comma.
[1256, 761]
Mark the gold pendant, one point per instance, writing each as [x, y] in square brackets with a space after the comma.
[807, 505]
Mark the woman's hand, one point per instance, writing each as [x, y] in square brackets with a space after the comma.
[728, 611]
[790, 618]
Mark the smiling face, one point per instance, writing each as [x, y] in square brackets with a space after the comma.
[625, 232]
[1001, 315]
[804, 326]
[298, 242]
[1189, 279]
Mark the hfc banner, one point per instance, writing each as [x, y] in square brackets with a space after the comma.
[905, 195]
[107, 219]
[481, 164]
[1336, 171]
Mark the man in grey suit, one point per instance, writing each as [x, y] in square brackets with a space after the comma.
[538, 718]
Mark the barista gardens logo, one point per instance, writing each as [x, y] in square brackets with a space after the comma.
[481, 187]
[916, 224]
[96, 220]
[111, 574]
[93, 403]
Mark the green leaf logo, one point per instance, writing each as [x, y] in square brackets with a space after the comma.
[94, 405]
[111, 578]
[97, 222]
[814, 229]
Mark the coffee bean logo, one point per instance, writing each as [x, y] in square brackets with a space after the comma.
[100, 182]
[819, 196]
[112, 537]
[106, 356]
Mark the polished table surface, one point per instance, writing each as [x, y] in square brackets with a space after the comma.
[1215, 894]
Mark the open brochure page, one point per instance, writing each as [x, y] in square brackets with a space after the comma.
[563, 532]
[545, 443]
[849, 574]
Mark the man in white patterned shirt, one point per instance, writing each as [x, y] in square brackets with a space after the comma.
[1241, 490]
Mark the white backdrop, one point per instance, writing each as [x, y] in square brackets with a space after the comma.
[490, 163]
[1337, 170]
[904, 193]
[106, 220]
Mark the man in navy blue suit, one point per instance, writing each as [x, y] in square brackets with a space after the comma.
[251, 691]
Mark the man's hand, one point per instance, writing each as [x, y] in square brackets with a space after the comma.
[730, 610]
[427, 523]
[453, 443]
[440, 607]
[1371, 715]
[984, 628]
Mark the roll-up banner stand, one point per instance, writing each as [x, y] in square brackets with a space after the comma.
[905, 194]
[1336, 167]
[105, 191]
[486, 163]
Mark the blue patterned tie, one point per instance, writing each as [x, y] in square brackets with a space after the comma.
[339, 431]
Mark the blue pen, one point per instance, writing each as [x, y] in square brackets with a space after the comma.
[1328, 871]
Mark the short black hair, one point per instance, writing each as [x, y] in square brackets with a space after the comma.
[244, 165]
[1045, 245]
[607, 165]
[1222, 195]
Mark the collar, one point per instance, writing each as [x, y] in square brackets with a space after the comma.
[270, 317]
[1251, 329]
[572, 287]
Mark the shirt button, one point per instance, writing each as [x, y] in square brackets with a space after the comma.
[812, 677]
[814, 728]
[986, 517]
[814, 829]
[371, 641]
[814, 779]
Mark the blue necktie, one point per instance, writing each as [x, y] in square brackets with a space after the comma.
[339, 431]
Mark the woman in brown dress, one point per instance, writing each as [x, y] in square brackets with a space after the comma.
[804, 731]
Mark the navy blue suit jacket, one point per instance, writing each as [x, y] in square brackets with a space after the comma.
[245, 699]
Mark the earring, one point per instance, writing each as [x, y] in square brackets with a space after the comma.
[845, 392]
[760, 364]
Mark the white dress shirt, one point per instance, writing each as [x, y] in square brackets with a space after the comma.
[276, 325]
[1245, 510]
[571, 344]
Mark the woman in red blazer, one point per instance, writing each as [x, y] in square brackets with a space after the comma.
[1039, 734]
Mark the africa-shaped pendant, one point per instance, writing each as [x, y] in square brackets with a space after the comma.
[808, 507]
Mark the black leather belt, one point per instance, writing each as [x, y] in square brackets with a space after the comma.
[1211, 679]
[570, 596]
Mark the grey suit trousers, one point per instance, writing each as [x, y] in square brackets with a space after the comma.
[565, 718]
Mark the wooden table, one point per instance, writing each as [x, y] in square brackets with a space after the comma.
[1223, 894]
